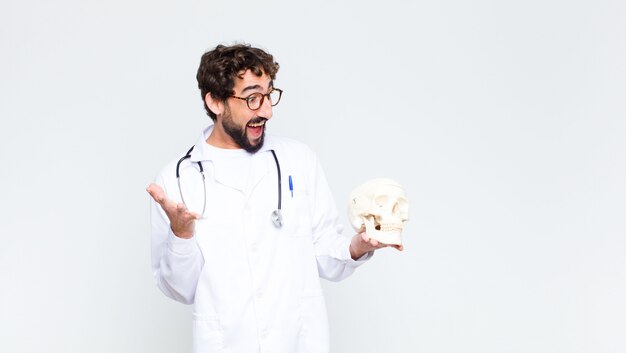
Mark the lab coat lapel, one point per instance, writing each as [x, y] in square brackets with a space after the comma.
[260, 168]
[263, 164]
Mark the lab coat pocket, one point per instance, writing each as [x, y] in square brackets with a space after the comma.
[297, 216]
[207, 334]
[314, 322]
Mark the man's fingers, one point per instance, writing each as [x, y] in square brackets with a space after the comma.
[187, 213]
[157, 193]
[375, 244]
[181, 208]
[182, 221]
[170, 207]
[184, 212]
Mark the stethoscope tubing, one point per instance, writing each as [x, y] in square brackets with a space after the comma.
[280, 188]
[276, 215]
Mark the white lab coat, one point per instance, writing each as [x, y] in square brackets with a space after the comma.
[255, 287]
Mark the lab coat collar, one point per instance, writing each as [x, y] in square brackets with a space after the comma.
[201, 151]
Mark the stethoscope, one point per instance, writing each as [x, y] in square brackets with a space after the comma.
[276, 216]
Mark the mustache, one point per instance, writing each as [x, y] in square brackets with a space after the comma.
[257, 120]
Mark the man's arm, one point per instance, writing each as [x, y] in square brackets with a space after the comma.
[176, 259]
[337, 256]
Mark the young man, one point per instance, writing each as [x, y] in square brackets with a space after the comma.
[244, 225]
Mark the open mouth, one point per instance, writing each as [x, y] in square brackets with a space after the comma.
[255, 128]
[257, 124]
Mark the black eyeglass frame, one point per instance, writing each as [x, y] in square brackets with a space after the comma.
[263, 96]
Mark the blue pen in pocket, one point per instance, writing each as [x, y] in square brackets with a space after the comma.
[291, 186]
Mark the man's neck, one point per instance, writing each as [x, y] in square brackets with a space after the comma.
[220, 139]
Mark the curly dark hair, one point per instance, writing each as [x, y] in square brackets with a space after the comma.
[219, 68]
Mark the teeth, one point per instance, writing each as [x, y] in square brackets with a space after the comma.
[389, 227]
[256, 124]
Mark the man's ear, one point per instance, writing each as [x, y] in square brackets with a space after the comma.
[216, 105]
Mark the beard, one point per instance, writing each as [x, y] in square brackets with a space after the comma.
[240, 135]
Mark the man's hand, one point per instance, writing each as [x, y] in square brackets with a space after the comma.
[362, 244]
[182, 221]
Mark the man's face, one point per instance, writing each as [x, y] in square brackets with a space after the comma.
[244, 126]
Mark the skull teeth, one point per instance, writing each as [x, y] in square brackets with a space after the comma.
[389, 227]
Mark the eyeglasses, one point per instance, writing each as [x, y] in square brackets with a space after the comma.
[255, 100]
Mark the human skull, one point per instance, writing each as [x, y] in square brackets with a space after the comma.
[379, 207]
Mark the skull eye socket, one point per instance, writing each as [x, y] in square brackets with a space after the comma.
[380, 201]
[403, 205]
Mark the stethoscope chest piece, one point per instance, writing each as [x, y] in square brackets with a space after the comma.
[277, 218]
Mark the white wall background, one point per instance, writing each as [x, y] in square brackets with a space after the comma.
[504, 120]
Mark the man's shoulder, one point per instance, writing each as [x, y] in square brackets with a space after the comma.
[181, 157]
[168, 168]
